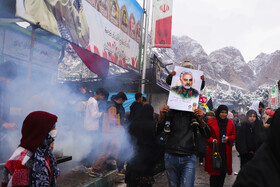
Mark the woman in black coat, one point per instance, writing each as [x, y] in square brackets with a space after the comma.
[140, 168]
[264, 168]
[249, 137]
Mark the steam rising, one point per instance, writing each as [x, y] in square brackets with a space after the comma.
[41, 92]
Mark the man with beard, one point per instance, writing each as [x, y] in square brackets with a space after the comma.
[186, 90]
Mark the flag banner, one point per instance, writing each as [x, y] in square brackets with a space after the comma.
[273, 101]
[210, 104]
[109, 28]
[162, 23]
[185, 89]
[274, 95]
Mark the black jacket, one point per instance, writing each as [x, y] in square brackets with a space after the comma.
[249, 137]
[181, 140]
[135, 110]
[264, 168]
[146, 148]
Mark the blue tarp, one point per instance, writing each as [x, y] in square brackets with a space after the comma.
[130, 100]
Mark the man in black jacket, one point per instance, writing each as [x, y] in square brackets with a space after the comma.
[180, 149]
[136, 107]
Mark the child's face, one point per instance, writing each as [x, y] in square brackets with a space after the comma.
[223, 114]
[252, 118]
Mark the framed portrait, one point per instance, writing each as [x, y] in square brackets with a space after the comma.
[124, 19]
[114, 12]
[102, 7]
[132, 27]
[185, 89]
[138, 32]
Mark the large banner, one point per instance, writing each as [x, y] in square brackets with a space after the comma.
[16, 44]
[185, 89]
[108, 28]
[162, 23]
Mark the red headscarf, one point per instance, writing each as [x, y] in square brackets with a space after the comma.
[35, 128]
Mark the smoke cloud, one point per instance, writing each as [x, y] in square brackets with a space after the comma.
[40, 91]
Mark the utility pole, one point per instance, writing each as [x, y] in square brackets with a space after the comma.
[147, 12]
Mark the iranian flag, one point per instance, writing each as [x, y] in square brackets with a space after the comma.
[162, 23]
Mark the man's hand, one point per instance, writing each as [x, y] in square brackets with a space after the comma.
[162, 110]
[202, 77]
[198, 113]
[173, 73]
[10, 126]
[266, 125]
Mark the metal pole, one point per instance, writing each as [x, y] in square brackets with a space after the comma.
[145, 47]
[30, 62]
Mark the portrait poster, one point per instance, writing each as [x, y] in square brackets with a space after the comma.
[185, 89]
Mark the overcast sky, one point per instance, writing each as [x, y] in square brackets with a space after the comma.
[252, 26]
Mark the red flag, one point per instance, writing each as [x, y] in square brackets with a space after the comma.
[95, 63]
[162, 23]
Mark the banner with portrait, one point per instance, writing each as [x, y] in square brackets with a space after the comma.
[108, 28]
[185, 89]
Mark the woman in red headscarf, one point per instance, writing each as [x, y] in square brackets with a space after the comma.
[33, 163]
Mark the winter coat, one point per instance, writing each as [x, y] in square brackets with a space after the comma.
[135, 110]
[264, 168]
[33, 161]
[146, 149]
[181, 139]
[249, 137]
[230, 132]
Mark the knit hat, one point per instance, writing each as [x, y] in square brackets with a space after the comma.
[187, 64]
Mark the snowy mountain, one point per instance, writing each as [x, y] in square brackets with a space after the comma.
[230, 66]
[225, 67]
[259, 62]
[269, 73]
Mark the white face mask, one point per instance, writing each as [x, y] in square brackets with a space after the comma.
[53, 133]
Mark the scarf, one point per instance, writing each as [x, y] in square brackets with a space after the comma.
[44, 170]
[17, 173]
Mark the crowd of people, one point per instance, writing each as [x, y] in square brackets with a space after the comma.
[178, 136]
